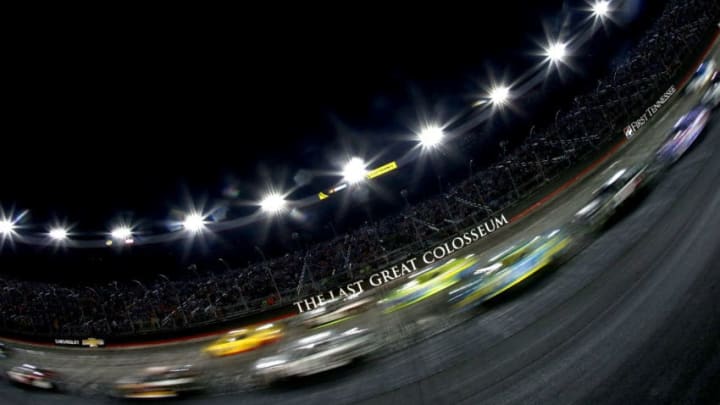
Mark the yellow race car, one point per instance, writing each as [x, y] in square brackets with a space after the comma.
[428, 283]
[243, 340]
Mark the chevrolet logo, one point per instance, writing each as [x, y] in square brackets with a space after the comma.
[92, 342]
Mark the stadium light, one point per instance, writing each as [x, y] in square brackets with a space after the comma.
[273, 203]
[431, 136]
[556, 52]
[122, 233]
[499, 95]
[194, 222]
[354, 171]
[58, 234]
[7, 227]
[601, 8]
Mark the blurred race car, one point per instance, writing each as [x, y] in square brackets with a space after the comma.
[429, 282]
[159, 382]
[243, 340]
[607, 199]
[684, 134]
[3, 351]
[32, 376]
[711, 98]
[509, 268]
[315, 353]
[333, 312]
[701, 77]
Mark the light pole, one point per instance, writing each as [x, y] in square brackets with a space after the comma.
[512, 179]
[482, 199]
[229, 269]
[127, 309]
[141, 285]
[540, 166]
[269, 273]
[332, 228]
[449, 212]
[404, 193]
[102, 307]
[503, 146]
[177, 298]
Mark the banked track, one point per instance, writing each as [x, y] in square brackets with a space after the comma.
[633, 318]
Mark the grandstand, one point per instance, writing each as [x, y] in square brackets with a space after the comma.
[588, 127]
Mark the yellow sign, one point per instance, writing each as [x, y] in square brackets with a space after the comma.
[377, 172]
[382, 170]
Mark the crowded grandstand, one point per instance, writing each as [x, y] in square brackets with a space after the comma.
[216, 296]
[591, 123]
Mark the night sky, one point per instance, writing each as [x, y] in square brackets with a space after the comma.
[134, 119]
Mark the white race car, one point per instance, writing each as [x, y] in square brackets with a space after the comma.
[31, 376]
[159, 382]
[701, 77]
[711, 98]
[611, 196]
[315, 353]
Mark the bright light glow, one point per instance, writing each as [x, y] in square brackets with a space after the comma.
[314, 338]
[616, 176]
[122, 232]
[273, 203]
[353, 331]
[58, 234]
[354, 171]
[488, 269]
[501, 254]
[556, 52]
[7, 227]
[499, 95]
[194, 222]
[270, 363]
[601, 8]
[431, 136]
[553, 233]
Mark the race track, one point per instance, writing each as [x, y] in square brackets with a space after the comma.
[632, 318]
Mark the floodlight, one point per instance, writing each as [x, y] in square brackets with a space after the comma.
[354, 170]
[431, 136]
[7, 227]
[499, 95]
[556, 52]
[601, 8]
[194, 222]
[58, 234]
[122, 232]
[273, 203]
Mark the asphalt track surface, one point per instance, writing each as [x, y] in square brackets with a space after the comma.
[632, 318]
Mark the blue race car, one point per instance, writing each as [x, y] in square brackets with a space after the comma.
[684, 134]
[510, 268]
